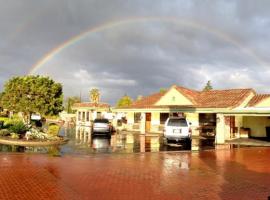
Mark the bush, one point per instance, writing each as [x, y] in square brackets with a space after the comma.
[16, 126]
[4, 119]
[53, 129]
[4, 132]
[15, 136]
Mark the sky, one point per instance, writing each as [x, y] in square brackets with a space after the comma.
[137, 47]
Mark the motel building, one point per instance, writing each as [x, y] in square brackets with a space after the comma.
[223, 114]
[87, 112]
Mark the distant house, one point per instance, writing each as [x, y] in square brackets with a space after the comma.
[86, 112]
[225, 114]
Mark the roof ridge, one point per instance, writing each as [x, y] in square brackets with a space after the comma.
[193, 90]
[228, 89]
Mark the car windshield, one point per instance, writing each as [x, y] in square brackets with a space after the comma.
[101, 121]
[177, 122]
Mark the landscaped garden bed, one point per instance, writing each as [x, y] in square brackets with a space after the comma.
[15, 132]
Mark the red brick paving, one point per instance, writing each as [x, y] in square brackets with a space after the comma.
[222, 174]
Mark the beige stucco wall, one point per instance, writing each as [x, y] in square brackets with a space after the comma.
[257, 125]
[193, 118]
[167, 99]
[130, 117]
[155, 121]
[264, 103]
[222, 129]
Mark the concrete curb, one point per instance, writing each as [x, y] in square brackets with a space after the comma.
[32, 143]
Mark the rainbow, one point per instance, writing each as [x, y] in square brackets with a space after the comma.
[221, 35]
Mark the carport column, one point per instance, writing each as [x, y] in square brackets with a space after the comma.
[220, 132]
[142, 123]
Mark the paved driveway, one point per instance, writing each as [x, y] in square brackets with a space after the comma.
[222, 174]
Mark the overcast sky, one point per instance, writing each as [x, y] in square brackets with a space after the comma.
[155, 44]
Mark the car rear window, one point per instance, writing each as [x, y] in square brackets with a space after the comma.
[177, 122]
[101, 121]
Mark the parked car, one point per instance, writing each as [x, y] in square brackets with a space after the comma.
[102, 127]
[177, 128]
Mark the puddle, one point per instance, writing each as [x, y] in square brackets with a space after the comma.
[82, 142]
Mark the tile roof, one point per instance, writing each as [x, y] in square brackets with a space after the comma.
[223, 98]
[148, 101]
[89, 104]
[257, 99]
[201, 99]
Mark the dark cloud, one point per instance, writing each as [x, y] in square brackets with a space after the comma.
[223, 41]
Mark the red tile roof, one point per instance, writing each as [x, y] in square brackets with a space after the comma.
[257, 99]
[223, 98]
[89, 104]
[205, 99]
[148, 101]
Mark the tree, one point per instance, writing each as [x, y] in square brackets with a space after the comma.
[94, 95]
[32, 94]
[124, 101]
[208, 86]
[70, 101]
[162, 90]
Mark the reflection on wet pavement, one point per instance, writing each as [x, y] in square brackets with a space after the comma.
[81, 141]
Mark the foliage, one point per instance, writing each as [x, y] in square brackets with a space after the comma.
[5, 119]
[33, 94]
[124, 101]
[4, 132]
[37, 134]
[208, 86]
[70, 102]
[16, 126]
[94, 95]
[162, 90]
[15, 136]
[53, 130]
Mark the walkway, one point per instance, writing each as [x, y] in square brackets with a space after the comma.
[222, 174]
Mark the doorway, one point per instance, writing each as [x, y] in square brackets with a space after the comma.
[148, 122]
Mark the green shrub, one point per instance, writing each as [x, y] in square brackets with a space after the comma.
[15, 136]
[16, 126]
[4, 119]
[53, 129]
[4, 132]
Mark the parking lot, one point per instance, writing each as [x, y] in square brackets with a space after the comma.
[242, 173]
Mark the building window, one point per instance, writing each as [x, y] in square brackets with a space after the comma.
[163, 117]
[87, 116]
[83, 116]
[137, 117]
[173, 98]
[79, 116]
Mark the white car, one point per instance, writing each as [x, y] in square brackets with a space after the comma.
[177, 128]
[101, 126]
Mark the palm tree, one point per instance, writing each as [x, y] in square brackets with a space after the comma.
[94, 95]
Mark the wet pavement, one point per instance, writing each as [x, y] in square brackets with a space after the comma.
[81, 142]
[242, 173]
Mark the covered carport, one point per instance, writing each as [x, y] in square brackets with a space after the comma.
[248, 123]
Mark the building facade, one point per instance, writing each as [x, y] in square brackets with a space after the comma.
[223, 114]
[87, 112]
